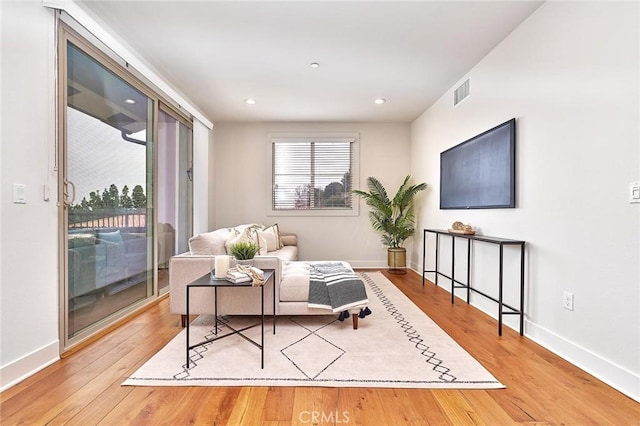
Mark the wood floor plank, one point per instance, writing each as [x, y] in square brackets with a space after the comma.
[365, 407]
[492, 413]
[216, 408]
[457, 408]
[311, 403]
[427, 407]
[542, 389]
[413, 407]
[279, 404]
[249, 406]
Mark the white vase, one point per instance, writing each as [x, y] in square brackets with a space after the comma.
[244, 262]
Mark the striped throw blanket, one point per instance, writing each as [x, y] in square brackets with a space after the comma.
[334, 286]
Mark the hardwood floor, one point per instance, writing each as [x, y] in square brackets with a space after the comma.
[84, 389]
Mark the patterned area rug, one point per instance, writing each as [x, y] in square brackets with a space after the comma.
[397, 346]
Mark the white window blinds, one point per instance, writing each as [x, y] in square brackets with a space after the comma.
[312, 173]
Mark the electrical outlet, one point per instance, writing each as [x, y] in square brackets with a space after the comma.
[567, 300]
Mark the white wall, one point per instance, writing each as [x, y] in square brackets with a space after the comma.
[202, 144]
[28, 265]
[570, 75]
[241, 162]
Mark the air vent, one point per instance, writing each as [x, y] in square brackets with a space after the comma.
[461, 93]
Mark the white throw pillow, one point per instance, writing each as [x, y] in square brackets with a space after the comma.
[271, 236]
[249, 234]
[209, 243]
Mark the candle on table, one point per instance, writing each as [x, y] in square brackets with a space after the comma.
[222, 265]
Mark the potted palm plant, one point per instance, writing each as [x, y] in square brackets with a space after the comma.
[393, 218]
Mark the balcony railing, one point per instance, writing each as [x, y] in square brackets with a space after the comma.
[107, 218]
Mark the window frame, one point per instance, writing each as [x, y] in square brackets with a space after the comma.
[351, 137]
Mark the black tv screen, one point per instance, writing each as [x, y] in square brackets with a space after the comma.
[480, 173]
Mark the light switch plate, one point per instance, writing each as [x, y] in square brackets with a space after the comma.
[634, 192]
[19, 193]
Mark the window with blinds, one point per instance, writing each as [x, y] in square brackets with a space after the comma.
[312, 174]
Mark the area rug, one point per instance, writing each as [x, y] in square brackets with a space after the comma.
[396, 346]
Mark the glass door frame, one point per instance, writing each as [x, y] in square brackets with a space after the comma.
[181, 119]
[65, 35]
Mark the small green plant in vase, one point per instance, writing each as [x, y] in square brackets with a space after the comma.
[244, 252]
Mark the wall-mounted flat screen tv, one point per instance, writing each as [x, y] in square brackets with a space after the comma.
[480, 173]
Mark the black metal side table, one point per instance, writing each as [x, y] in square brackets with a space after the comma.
[209, 281]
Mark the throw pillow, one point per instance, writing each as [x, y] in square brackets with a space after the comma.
[209, 243]
[248, 234]
[198, 245]
[272, 237]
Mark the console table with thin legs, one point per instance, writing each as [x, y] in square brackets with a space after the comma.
[208, 280]
[471, 239]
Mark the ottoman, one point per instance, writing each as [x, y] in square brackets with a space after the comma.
[294, 292]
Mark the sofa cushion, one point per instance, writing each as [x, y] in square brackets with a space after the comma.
[294, 284]
[286, 253]
[210, 243]
[294, 281]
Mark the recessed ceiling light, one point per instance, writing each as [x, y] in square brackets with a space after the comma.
[380, 101]
[129, 101]
[314, 65]
[250, 101]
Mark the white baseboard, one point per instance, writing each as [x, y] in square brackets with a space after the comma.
[367, 264]
[604, 370]
[20, 369]
[615, 376]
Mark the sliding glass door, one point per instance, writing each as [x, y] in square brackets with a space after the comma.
[108, 185]
[175, 189]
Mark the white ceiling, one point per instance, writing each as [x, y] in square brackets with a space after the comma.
[218, 53]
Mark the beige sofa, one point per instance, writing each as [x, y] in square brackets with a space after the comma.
[187, 267]
[290, 282]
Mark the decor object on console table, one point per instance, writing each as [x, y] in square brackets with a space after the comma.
[461, 228]
[393, 218]
[244, 252]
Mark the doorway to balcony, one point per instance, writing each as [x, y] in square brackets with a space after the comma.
[126, 160]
